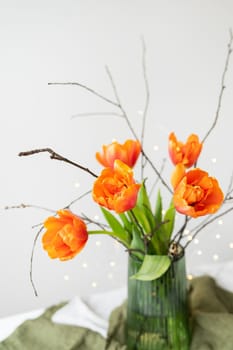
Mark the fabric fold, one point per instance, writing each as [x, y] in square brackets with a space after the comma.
[211, 315]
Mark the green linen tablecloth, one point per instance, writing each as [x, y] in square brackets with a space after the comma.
[211, 312]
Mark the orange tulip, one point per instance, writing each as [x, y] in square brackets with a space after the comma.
[177, 175]
[115, 188]
[65, 235]
[196, 193]
[128, 153]
[185, 153]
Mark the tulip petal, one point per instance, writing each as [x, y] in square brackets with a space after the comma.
[115, 188]
[197, 194]
[185, 153]
[128, 153]
[177, 175]
[65, 235]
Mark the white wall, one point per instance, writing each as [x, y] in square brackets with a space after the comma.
[48, 40]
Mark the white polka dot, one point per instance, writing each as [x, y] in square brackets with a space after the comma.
[189, 277]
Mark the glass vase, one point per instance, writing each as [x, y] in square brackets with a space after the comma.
[157, 311]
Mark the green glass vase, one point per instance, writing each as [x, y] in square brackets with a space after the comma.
[157, 311]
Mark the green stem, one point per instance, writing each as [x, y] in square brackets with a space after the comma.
[118, 237]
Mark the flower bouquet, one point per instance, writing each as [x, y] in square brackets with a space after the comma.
[157, 310]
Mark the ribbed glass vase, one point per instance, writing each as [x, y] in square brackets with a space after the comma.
[157, 311]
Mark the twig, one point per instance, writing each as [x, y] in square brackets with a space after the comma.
[181, 230]
[77, 199]
[23, 206]
[207, 223]
[229, 190]
[145, 239]
[134, 133]
[31, 260]
[91, 221]
[37, 225]
[56, 156]
[193, 229]
[222, 87]
[156, 181]
[96, 114]
[124, 114]
[88, 89]
[156, 171]
[146, 102]
[157, 227]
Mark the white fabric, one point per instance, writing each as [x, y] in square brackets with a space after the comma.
[93, 311]
[221, 272]
[9, 324]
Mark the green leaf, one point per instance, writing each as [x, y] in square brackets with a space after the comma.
[126, 222]
[153, 267]
[137, 243]
[142, 219]
[162, 236]
[143, 211]
[169, 226]
[118, 230]
[158, 247]
[143, 199]
[158, 208]
[158, 232]
[101, 232]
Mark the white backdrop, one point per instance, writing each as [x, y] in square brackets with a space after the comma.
[46, 41]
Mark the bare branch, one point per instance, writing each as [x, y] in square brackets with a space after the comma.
[40, 223]
[147, 100]
[31, 260]
[209, 222]
[134, 133]
[156, 171]
[229, 190]
[88, 89]
[124, 114]
[180, 233]
[23, 206]
[91, 221]
[56, 156]
[193, 229]
[222, 87]
[157, 180]
[96, 114]
[77, 199]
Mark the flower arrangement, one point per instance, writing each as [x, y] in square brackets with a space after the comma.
[145, 233]
[145, 229]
